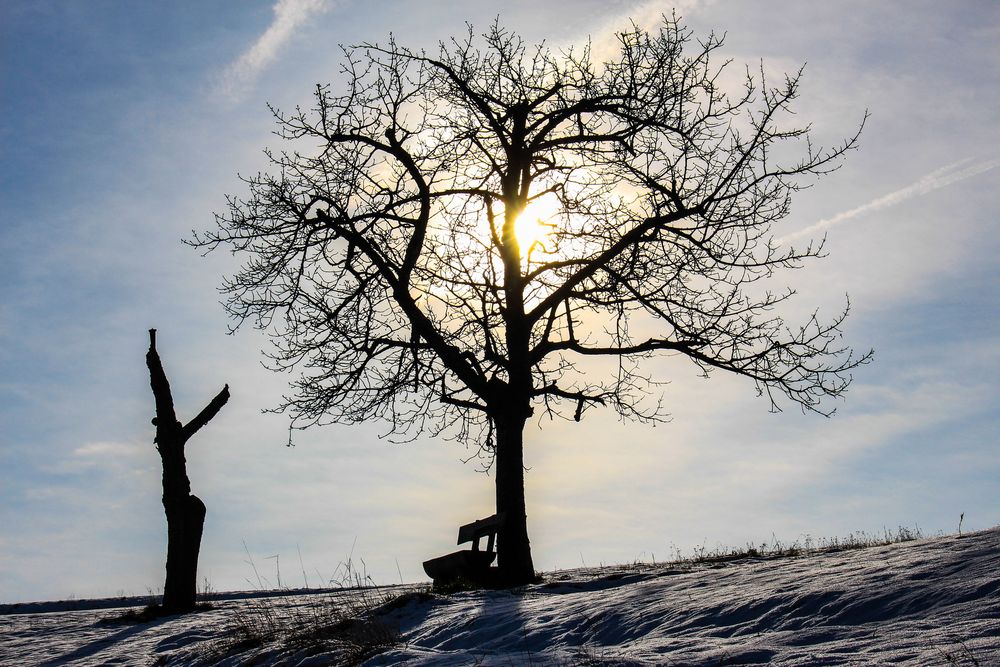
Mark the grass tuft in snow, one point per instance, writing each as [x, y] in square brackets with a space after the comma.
[348, 622]
[721, 555]
[807, 546]
[959, 657]
[150, 612]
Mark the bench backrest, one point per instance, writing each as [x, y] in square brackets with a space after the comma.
[473, 532]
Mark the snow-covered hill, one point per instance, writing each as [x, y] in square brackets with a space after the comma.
[928, 602]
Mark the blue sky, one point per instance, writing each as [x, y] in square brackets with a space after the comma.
[122, 127]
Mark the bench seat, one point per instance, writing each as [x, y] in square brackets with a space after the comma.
[459, 564]
[472, 565]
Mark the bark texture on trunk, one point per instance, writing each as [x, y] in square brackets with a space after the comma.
[185, 511]
[513, 549]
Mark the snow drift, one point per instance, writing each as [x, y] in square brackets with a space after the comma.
[932, 601]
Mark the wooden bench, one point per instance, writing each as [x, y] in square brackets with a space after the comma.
[471, 565]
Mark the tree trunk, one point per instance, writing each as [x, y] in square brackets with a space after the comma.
[185, 512]
[512, 404]
[185, 521]
[513, 549]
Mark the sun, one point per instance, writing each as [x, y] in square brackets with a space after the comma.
[535, 223]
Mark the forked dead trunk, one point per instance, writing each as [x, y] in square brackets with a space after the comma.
[185, 511]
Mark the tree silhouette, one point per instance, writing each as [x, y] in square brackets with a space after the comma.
[185, 511]
[383, 252]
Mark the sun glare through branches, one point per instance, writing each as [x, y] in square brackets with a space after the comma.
[535, 223]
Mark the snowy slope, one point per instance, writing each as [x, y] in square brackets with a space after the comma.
[929, 602]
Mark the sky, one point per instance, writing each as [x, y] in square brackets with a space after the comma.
[124, 125]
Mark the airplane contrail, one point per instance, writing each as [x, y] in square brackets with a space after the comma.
[953, 173]
[289, 15]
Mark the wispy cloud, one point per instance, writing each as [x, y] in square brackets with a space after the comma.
[105, 449]
[647, 15]
[953, 173]
[289, 15]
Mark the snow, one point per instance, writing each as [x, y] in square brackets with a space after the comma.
[934, 601]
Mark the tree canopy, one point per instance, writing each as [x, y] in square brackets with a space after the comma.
[449, 237]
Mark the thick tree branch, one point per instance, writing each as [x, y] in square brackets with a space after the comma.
[207, 413]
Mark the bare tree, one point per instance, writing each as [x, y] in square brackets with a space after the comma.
[185, 511]
[388, 257]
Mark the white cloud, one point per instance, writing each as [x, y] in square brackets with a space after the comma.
[118, 457]
[289, 15]
[646, 15]
[104, 449]
[948, 175]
